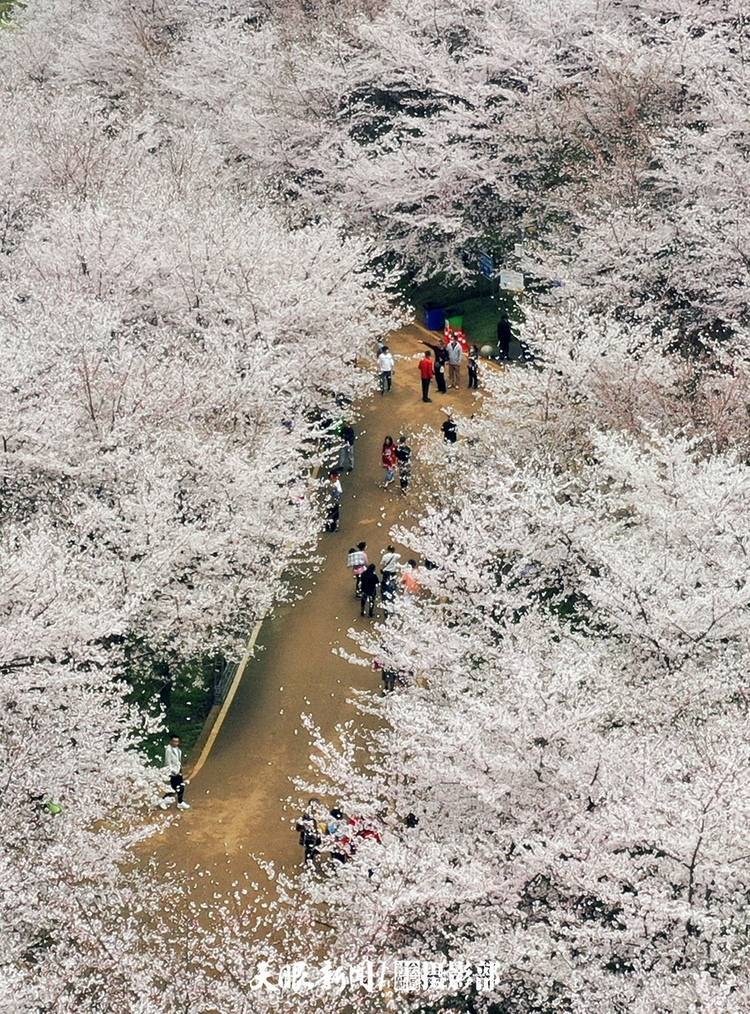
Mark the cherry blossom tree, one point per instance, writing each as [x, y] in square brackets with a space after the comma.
[571, 736]
[200, 208]
[171, 348]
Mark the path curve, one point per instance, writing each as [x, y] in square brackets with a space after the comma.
[238, 796]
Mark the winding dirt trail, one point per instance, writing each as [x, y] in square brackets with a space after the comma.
[238, 797]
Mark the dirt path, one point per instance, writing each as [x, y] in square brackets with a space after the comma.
[238, 797]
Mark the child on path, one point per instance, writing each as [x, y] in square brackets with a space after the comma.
[389, 460]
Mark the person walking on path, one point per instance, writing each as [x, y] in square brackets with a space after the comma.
[173, 764]
[385, 368]
[357, 560]
[473, 365]
[369, 585]
[455, 357]
[390, 564]
[403, 454]
[426, 372]
[389, 461]
[450, 431]
[346, 452]
[504, 336]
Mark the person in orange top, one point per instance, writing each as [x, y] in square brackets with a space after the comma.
[426, 372]
[408, 578]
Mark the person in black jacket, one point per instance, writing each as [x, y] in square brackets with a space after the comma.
[403, 454]
[346, 451]
[504, 336]
[450, 431]
[474, 366]
[369, 587]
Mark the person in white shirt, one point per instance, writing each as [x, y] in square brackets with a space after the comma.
[390, 565]
[173, 764]
[455, 357]
[385, 366]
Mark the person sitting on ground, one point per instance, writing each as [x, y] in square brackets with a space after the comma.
[309, 831]
[336, 833]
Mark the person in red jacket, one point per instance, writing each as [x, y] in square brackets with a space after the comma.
[389, 460]
[426, 372]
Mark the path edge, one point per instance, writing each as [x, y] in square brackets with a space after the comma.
[212, 728]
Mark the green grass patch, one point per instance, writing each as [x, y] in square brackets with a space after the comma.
[182, 696]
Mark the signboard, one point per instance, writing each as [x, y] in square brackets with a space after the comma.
[486, 265]
[512, 280]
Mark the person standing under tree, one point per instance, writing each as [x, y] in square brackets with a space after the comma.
[385, 368]
[426, 372]
[389, 568]
[173, 764]
[473, 365]
[346, 452]
[455, 357]
[335, 493]
[441, 358]
[504, 336]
